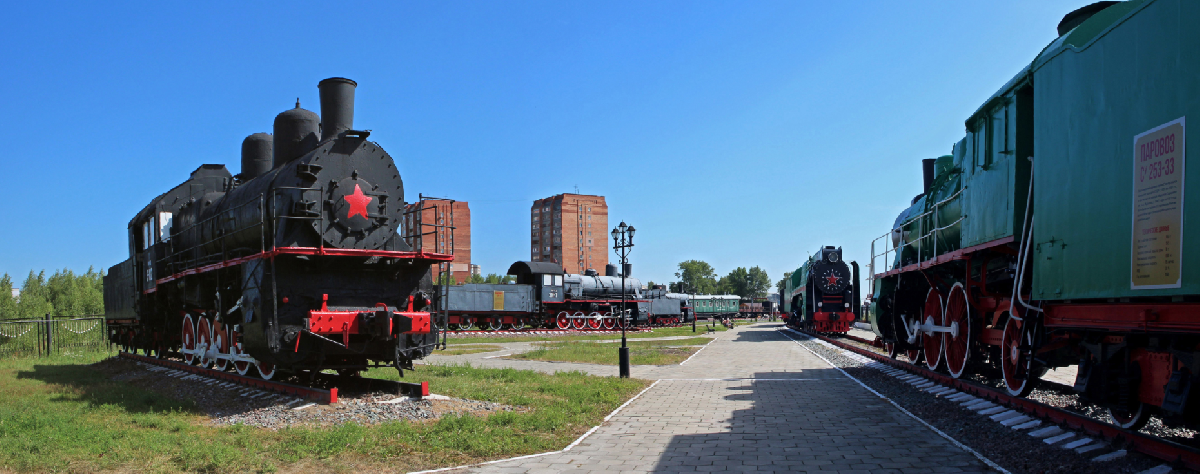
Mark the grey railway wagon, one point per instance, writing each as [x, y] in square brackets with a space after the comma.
[491, 299]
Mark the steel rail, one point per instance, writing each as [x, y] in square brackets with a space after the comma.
[309, 393]
[1149, 445]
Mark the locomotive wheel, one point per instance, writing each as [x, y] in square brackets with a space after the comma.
[189, 340]
[265, 370]
[221, 341]
[891, 349]
[594, 321]
[235, 348]
[958, 346]
[204, 341]
[563, 322]
[494, 324]
[518, 324]
[579, 323]
[1018, 378]
[610, 322]
[1134, 420]
[932, 343]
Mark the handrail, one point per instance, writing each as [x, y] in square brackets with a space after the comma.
[933, 233]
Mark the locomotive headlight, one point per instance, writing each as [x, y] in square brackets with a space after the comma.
[847, 305]
[819, 304]
[833, 257]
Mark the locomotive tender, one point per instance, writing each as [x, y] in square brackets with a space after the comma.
[1055, 232]
[822, 295]
[294, 264]
[545, 296]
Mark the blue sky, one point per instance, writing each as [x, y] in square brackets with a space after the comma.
[739, 133]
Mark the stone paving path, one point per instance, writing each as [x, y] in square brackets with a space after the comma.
[752, 401]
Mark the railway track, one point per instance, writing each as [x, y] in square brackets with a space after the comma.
[1048, 422]
[326, 389]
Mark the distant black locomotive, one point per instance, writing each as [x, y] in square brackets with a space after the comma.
[822, 295]
[294, 264]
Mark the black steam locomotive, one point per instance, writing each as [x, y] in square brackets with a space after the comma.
[547, 297]
[822, 295]
[294, 264]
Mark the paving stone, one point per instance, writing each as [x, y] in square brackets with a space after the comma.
[690, 422]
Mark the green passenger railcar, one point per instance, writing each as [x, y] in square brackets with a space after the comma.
[715, 306]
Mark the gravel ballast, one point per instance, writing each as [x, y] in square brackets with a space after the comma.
[1012, 449]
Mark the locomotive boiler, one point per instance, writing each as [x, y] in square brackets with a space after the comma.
[292, 265]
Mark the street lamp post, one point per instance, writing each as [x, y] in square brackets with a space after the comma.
[623, 243]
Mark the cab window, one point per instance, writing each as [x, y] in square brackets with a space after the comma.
[547, 280]
[558, 280]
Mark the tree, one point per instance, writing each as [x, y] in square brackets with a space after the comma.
[734, 283]
[757, 283]
[446, 279]
[476, 278]
[34, 301]
[782, 285]
[495, 279]
[697, 277]
[8, 304]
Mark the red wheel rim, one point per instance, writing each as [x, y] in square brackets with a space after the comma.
[1012, 362]
[932, 343]
[579, 323]
[265, 370]
[235, 348]
[563, 322]
[221, 339]
[610, 323]
[594, 323]
[958, 346]
[189, 340]
[204, 340]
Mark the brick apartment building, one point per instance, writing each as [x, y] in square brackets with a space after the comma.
[571, 230]
[436, 219]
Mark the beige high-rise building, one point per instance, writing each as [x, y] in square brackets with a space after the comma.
[570, 230]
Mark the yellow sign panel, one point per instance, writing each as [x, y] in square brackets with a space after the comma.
[497, 301]
[1158, 160]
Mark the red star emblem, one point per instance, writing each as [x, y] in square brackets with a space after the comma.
[358, 202]
[832, 279]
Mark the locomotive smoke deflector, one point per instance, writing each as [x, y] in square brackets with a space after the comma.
[256, 156]
[337, 106]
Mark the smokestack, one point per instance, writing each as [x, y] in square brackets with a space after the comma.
[337, 106]
[628, 269]
[610, 270]
[256, 155]
[927, 169]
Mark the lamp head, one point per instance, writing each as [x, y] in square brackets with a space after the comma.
[631, 230]
[615, 233]
[622, 226]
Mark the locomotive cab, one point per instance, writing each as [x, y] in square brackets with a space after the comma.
[546, 278]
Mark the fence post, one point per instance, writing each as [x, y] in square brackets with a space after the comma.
[49, 337]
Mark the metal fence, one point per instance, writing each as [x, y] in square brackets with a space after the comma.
[51, 336]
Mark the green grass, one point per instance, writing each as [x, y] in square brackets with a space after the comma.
[58, 414]
[456, 349]
[640, 352]
[658, 332]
